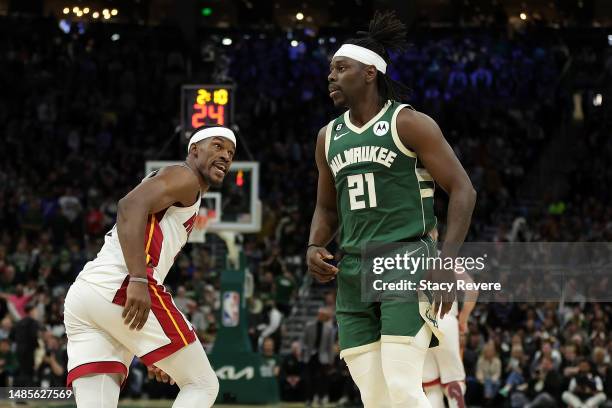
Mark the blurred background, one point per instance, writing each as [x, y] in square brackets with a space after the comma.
[92, 90]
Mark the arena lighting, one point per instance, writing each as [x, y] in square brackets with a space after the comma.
[106, 16]
[86, 10]
[115, 37]
[523, 16]
[66, 10]
[294, 43]
[105, 11]
[114, 12]
[64, 26]
[332, 40]
[226, 41]
[79, 13]
[597, 100]
[610, 40]
[95, 14]
[75, 10]
[299, 16]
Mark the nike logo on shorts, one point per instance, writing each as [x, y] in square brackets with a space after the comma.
[412, 252]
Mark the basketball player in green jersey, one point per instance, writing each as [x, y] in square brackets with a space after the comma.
[377, 166]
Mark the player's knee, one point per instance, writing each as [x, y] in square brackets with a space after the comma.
[207, 387]
[407, 393]
[209, 383]
[372, 395]
[213, 387]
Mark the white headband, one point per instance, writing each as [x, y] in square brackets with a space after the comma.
[362, 55]
[206, 133]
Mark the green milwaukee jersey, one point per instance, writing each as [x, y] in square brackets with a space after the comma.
[383, 191]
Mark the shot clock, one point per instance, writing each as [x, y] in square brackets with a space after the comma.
[206, 105]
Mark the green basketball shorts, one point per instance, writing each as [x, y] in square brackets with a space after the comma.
[362, 324]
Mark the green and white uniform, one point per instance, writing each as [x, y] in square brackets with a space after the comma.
[384, 194]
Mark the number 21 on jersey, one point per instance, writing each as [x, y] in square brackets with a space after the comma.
[356, 191]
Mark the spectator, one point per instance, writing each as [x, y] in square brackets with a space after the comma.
[585, 388]
[8, 362]
[516, 382]
[274, 263]
[291, 374]
[488, 372]
[601, 361]
[17, 302]
[318, 354]
[25, 335]
[284, 291]
[546, 386]
[6, 327]
[181, 300]
[547, 350]
[569, 366]
[52, 372]
[271, 367]
[271, 326]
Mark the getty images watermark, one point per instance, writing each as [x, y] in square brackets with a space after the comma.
[494, 272]
[407, 264]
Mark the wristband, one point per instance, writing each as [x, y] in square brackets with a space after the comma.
[140, 280]
[316, 245]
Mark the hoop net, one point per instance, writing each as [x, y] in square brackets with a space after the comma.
[198, 234]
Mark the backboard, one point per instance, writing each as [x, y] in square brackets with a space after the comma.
[235, 206]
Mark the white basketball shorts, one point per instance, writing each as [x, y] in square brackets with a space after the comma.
[99, 342]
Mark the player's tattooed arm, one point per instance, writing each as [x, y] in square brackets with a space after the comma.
[172, 185]
[324, 220]
[422, 135]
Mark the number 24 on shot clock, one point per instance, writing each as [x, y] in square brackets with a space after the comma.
[206, 105]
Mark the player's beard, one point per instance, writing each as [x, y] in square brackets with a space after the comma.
[210, 181]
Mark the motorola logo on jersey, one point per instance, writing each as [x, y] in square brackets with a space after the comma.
[381, 128]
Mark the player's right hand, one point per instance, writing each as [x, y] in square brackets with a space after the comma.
[137, 305]
[316, 260]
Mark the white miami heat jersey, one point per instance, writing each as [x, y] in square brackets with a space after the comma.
[165, 235]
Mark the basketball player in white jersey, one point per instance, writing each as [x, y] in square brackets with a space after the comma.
[443, 371]
[118, 307]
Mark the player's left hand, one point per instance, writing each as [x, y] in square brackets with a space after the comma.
[159, 374]
[443, 298]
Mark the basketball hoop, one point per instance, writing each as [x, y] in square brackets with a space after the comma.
[201, 220]
[198, 234]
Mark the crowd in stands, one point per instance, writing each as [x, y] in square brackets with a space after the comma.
[81, 113]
